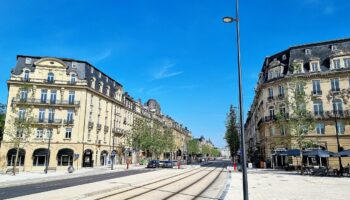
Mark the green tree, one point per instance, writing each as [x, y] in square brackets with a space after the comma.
[215, 152]
[2, 120]
[193, 146]
[231, 135]
[19, 128]
[299, 121]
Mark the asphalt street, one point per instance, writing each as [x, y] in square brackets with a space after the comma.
[16, 191]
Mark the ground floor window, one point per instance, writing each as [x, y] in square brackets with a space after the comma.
[11, 157]
[65, 157]
[39, 160]
[40, 157]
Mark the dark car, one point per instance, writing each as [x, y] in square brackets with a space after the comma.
[167, 164]
[153, 164]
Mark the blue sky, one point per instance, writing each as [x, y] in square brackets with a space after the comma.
[178, 52]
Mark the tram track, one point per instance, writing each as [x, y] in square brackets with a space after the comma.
[157, 181]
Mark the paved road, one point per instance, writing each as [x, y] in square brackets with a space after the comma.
[16, 191]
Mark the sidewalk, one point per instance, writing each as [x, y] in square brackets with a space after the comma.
[282, 185]
[24, 178]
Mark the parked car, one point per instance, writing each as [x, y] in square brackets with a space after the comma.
[153, 164]
[167, 164]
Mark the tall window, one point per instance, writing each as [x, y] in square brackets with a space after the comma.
[39, 133]
[320, 128]
[347, 62]
[51, 115]
[70, 116]
[270, 90]
[50, 77]
[100, 87]
[43, 97]
[340, 128]
[93, 83]
[300, 88]
[335, 84]
[271, 111]
[318, 108]
[21, 113]
[26, 75]
[71, 97]
[336, 63]
[281, 91]
[68, 133]
[282, 109]
[23, 95]
[316, 87]
[41, 114]
[72, 78]
[338, 107]
[314, 67]
[53, 96]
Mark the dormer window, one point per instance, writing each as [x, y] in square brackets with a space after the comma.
[74, 64]
[314, 67]
[336, 64]
[99, 74]
[334, 47]
[284, 57]
[92, 70]
[26, 76]
[107, 79]
[50, 77]
[93, 83]
[101, 87]
[107, 90]
[307, 51]
[347, 62]
[73, 78]
[28, 61]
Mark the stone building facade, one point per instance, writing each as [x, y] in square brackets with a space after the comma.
[325, 67]
[87, 113]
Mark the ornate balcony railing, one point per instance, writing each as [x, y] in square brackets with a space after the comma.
[316, 93]
[118, 131]
[68, 121]
[91, 125]
[105, 128]
[41, 102]
[98, 127]
[48, 121]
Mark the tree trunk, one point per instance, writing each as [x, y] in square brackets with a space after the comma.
[15, 164]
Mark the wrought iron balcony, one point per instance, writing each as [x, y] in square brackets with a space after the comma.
[118, 131]
[41, 102]
[280, 96]
[270, 98]
[316, 93]
[48, 121]
[68, 121]
[98, 127]
[270, 118]
[105, 128]
[91, 125]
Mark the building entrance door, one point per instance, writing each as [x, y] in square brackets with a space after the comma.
[87, 158]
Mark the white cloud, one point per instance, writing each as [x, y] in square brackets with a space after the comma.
[101, 56]
[165, 72]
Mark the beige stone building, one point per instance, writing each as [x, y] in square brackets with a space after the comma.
[86, 112]
[325, 67]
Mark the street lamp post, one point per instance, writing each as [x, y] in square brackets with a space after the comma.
[335, 112]
[240, 94]
[48, 152]
[112, 152]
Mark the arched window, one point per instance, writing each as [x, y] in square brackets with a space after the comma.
[50, 77]
[11, 156]
[107, 90]
[26, 76]
[40, 157]
[93, 83]
[104, 158]
[101, 87]
[65, 157]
